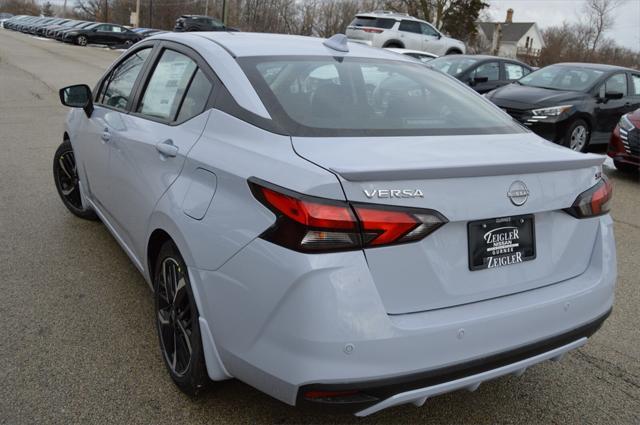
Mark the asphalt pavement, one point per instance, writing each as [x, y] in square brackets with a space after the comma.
[77, 336]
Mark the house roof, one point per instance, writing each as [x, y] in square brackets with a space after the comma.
[510, 32]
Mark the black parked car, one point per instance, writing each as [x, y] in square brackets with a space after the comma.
[200, 23]
[483, 73]
[109, 34]
[573, 104]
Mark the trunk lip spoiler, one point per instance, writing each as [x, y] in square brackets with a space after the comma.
[465, 171]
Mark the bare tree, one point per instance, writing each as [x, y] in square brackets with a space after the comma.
[599, 15]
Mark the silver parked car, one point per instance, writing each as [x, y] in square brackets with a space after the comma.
[334, 224]
[388, 29]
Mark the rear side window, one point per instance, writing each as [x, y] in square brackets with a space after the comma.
[196, 98]
[118, 86]
[411, 26]
[365, 21]
[167, 86]
[177, 89]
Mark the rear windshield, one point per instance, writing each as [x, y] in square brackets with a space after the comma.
[562, 77]
[326, 96]
[453, 65]
[366, 21]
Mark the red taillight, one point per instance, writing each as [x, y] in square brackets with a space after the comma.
[372, 30]
[311, 224]
[594, 201]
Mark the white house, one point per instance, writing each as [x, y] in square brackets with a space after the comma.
[511, 39]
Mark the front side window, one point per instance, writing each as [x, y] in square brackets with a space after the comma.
[489, 70]
[428, 30]
[119, 84]
[562, 77]
[167, 86]
[616, 84]
[321, 96]
[635, 78]
[453, 65]
[514, 71]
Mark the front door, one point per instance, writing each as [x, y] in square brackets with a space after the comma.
[150, 149]
[98, 134]
[485, 77]
[431, 40]
[608, 111]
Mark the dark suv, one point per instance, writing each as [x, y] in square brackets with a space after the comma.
[200, 23]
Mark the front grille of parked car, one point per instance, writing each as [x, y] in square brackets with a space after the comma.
[631, 141]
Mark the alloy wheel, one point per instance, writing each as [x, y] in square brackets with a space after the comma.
[82, 40]
[68, 180]
[174, 316]
[578, 138]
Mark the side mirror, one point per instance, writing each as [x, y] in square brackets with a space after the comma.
[477, 80]
[613, 95]
[78, 96]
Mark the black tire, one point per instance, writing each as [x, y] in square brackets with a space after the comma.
[82, 40]
[578, 129]
[176, 317]
[394, 45]
[67, 181]
[626, 168]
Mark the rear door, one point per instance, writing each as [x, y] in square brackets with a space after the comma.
[167, 119]
[411, 34]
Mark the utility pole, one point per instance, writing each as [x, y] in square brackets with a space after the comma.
[137, 13]
[64, 9]
[225, 12]
[206, 7]
[106, 10]
[150, 13]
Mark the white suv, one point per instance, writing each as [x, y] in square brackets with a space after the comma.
[387, 29]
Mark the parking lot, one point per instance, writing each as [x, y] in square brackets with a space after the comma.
[78, 337]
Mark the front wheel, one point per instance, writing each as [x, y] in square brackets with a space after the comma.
[577, 136]
[65, 176]
[177, 322]
[81, 40]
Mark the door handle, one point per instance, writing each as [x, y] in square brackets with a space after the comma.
[167, 148]
[106, 136]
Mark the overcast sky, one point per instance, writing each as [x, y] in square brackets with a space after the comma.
[626, 30]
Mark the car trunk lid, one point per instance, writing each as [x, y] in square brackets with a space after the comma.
[467, 179]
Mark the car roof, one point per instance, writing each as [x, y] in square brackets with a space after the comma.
[389, 14]
[241, 44]
[596, 66]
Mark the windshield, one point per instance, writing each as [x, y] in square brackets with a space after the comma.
[452, 65]
[352, 96]
[562, 77]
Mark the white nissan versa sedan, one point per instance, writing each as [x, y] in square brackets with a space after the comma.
[335, 224]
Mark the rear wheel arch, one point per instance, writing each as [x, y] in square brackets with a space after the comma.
[394, 43]
[157, 238]
[453, 51]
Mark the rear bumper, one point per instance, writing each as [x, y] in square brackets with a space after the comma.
[285, 323]
[418, 387]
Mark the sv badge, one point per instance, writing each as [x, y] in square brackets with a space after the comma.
[393, 193]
